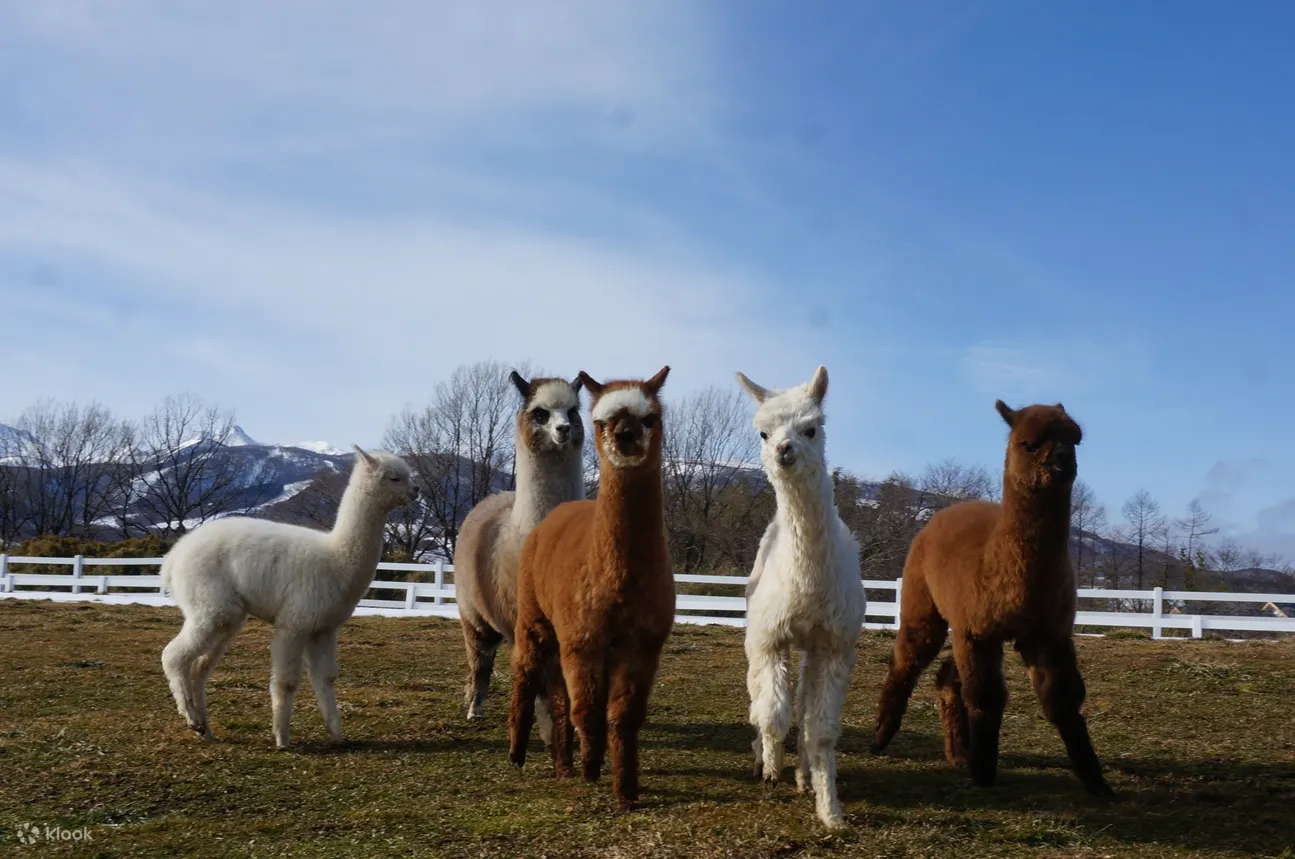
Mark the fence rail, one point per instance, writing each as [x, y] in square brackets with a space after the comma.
[436, 598]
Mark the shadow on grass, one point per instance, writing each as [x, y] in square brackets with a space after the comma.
[1198, 805]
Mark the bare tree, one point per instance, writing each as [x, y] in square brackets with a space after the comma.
[63, 467]
[187, 474]
[1087, 521]
[949, 481]
[1145, 524]
[710, 448]
[1195, 527]
[461, 448]
[884, 525]
[1228, 556]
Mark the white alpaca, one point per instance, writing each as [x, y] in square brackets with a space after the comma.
[805, 593]
[550, 470]
[304, 582]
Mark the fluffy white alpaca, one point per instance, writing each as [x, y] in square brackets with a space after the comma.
[805, 593]
[304, 582]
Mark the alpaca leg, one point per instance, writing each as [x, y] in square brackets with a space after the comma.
[766, 682]
[953, 713]
[286, 651]
[197, 637]
[1054, 671]
[919, 641]
[627, 701]
[321, 664]
[586, 677]
[803, 780]
[481, 642]
[827, 679]
[530, 653]
[544, 718]
[205, 664]
[561, 733]
[980, 667]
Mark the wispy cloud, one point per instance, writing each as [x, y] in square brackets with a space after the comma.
[1049, 369]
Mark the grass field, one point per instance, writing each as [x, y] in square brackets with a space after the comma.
[1198, 738]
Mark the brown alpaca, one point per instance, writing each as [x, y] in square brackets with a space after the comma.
[993, 573]
[596, 597]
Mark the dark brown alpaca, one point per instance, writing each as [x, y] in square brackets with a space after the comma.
[994, 573]
[596, 597]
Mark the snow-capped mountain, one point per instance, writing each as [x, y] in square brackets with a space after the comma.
[320, 447]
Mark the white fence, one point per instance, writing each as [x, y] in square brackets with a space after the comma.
[1166, 609]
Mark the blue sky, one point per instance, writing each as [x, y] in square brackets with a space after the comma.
[312, 211]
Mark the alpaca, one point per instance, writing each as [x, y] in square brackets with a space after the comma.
[993, 573]
[304, 582]
[804, 593]
[595, 594]
[550, 436]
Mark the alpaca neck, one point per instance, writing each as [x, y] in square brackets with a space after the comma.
[357, 534]
[629, 519]
[807, 511]
[1036, 522]
[543, 482]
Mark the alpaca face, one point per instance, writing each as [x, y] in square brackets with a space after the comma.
[1041, 448]
[790, 423]
[627, 420]
[550, 421]
[385, 476]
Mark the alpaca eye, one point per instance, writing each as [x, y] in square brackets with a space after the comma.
[649, 422]
[764, 436]
[574, 414]
[540, 416]
[395, 477]
[1030, 446]
[809, 433]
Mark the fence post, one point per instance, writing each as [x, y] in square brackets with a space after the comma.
[1198, 630]
[5, 586]
[103, 585]
[411, 595]
[78, 566]
[899, 592]
[439, 599]
[1157, 610]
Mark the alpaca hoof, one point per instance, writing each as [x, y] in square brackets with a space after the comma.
[517, 758]
[834, 823]
[627, 805]
[562, 772]
[1100, 788]
[877, 747]
[770, 778]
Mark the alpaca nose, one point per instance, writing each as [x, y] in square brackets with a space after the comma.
[563, 431]
[786, 454]
[626, 435]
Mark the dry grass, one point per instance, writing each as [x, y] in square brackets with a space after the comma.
[1199, 738]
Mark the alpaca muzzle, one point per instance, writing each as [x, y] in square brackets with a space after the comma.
[786, 455]
[1062, 458]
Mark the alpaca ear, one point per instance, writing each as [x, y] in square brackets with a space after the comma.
[1061, 408]
[362, 457]
[594, 388]
[757, 393]
[523, 386]
[576, 383]
[818, 384]
[1008, 414]
[654, 384]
